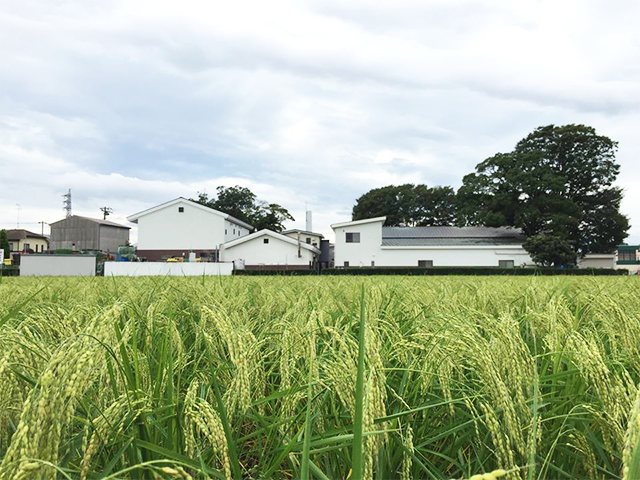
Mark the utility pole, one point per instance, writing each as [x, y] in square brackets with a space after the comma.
[18, 219]
[106, 211]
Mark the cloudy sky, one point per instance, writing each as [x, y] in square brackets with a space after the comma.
[131, 103]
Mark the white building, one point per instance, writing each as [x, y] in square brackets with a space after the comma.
[267, 249]
[305, 236]
[181, 226]
[366, 243]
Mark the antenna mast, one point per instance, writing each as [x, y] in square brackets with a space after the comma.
[67, 203]
[106, 211]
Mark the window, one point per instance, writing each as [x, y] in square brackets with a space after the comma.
[26, 247]
[180, 209]
[373, 263]
[626, 255]
[425, 263]
[266, 240]
[225, 231]
[505, 263]
[352, 237]
[346, 264]
[308, 241]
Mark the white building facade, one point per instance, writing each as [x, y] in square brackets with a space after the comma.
[181, 226]
[267, 249]
[367, 243]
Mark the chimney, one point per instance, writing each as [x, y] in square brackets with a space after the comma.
[309, 227]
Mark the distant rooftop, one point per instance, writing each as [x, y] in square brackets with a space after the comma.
[450, 236]
[303, 232]
[21, 234]
[94, 220]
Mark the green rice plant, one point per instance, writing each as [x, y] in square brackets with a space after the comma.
[318, 377]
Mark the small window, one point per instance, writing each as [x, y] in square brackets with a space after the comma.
[308, 241]
[346, 264]
[27, 246]
[181, 209]
[352, 237]
[425, 263]
[266, 240]
[225, 231]
[234, 231]
[506, 263]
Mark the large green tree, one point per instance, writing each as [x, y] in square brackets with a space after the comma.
[558, 181]
[408, 204]
[242, 203]
[4, 244]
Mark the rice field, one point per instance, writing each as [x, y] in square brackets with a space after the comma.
[343, 377]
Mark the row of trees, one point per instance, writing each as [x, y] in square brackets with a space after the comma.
[242, 203]
[556, 185]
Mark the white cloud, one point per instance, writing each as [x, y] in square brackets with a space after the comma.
[130, 103]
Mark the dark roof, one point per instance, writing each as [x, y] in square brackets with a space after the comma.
[94, 220]
[450, 236]
[21, 234]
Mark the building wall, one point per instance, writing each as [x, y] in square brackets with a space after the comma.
[57, 265]
[370, 250]
[112, 237]
[36, 244]
[83, 233]
[169, 229]
[139, 269]
[276, 252]
[233, 231]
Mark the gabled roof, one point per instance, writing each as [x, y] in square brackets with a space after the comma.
[450, 236]
[277, 236]
[302, 232]
[99, 221]
[358, 222]
[21, 234]
[134, 218]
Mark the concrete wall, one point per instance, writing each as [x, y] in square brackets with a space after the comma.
[139, 269]
[276, 252]
[370, 250]
[57, 265]
[195, 228]
[112, 237]
[597, 261]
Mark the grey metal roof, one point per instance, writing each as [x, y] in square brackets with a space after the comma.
[304, 232]
[454, 236]
[94, 220]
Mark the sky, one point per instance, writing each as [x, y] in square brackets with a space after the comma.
[308, 103]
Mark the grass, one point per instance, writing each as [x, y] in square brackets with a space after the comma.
[377, 377]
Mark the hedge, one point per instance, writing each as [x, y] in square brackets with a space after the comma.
[439, 271]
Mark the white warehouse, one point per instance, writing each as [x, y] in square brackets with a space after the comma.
[269, 250]
[181, 226]
[367, 243]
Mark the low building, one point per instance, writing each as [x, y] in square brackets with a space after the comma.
[24, 241]
[89, 234]
[368, 243]
[628, 257]
[270, 250]
[181, 226]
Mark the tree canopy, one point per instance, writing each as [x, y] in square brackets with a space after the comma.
[4, 244]
[242, 203]
[408, 204]
[558, 181]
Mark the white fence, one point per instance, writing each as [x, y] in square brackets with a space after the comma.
[57, 265]
[164, 269]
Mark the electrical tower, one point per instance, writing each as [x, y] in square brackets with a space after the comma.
[67, 203]
[106, 211]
